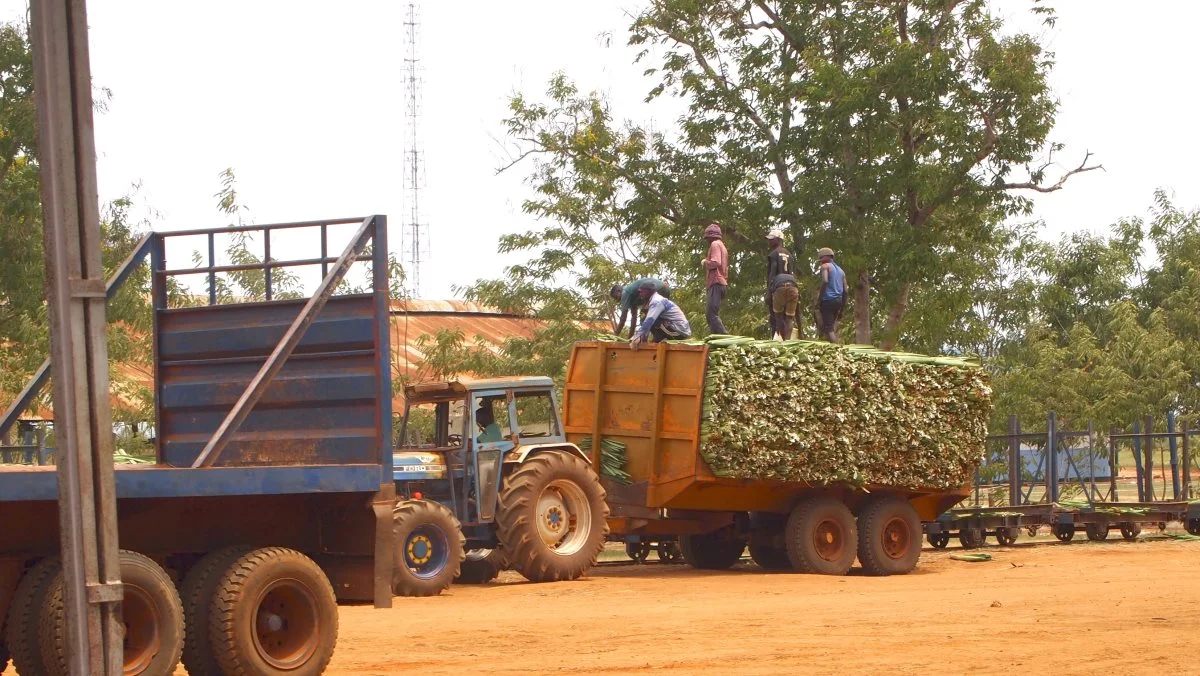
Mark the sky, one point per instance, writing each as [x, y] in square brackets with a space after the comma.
[306, 102]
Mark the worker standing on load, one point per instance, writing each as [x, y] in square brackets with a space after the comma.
[831, 300]
[664, 320]
[783, 293]
[717, 265]
[631, 301]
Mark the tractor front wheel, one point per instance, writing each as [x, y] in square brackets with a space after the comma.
[429, 546]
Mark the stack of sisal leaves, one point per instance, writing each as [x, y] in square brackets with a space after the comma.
[822, 413]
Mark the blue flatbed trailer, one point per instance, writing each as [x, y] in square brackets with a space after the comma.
[273, 459]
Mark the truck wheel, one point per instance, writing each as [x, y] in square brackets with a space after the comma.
[889, 536]
[151, 612]
[1096, 532]
[480, 566]
[971, 538]
[552, 521]
[1129, 531]
[429, 546]
[24, 615]
[274, 613]
[199, 588]
[821, 536]
[717, 550]
[769, 556]
[938, 540]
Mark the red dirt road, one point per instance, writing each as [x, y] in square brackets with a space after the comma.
[1081, 608]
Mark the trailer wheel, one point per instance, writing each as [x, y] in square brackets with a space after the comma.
[1096, 532]
[150, 610]
[553, 520]
[1130, 530]
[821, 536]
[24, 615]
[1192, 526]
[938, 540]
[971, 538]
[717, 550]
[1065, 532]
[669, 552]
[480, 566]
[1007, 536]
[429, 546]
[889, 536]
[274, 613]
[768, 555]
[197, 592]
[637, 551]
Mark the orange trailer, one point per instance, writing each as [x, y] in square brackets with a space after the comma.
[650, 400]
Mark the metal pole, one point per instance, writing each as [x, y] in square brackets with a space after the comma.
[1014, 461]
[1112, 465]
[1187, 464]
[1137, 461]
[1052, 457]
[1173, 443]
[1148, 457]
[75, 290]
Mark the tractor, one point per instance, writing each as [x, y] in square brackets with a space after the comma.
[485, 481]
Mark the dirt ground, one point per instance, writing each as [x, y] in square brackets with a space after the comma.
[1079, 608]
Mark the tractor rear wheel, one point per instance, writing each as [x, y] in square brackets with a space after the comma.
[1130, 530]
[821, 536]
[889, 536]
[717, 550]
[429, 545]
[1096, 532]
[197, 592]
[24, 615]
[150, 610]
[553, 518]
[480, 566]
[274, 613]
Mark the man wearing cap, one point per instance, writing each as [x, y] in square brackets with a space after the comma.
[783, 293]
[832, 298]
[631, 301]
[664, 320]
[717, 265]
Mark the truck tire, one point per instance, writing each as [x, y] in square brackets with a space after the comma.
[889, 536]
[274, 612]
[429, 545]
[197, 592]
[151, 611]
[480, 566]
[1096, 532]
[821, 536]
[24, 615]
[717, 550]
[553, 520]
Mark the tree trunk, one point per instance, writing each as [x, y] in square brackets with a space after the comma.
[862, 308]
[891, 329]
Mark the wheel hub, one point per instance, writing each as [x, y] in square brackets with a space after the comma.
[286, 627]
[828, 540]
[563, 517]
[142, 640]
[896, 538]
[420, 550]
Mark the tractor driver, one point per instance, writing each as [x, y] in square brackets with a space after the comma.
[486, 420]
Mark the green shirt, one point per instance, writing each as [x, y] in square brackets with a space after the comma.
[629, 296]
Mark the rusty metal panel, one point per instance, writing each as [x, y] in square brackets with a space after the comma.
[319, 409]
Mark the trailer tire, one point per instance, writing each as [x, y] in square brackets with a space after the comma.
[284, 594]
[668, 551]
[1065, 532]
[151, 611]
[717, 550]
[197, 592]
[1096, 532]
[769, 556]
[971, 538]
[637, 552]
[889, 536]
[821, 536]
[480, 566]
[429, 548]
[553, 518]
[1130, 530]
[1192, 526]
[1007, 536]
[938, 540]
[24, 616]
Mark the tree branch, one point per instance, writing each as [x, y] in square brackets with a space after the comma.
[1057, 185]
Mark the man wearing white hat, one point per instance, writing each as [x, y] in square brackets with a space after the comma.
[831, 300]
[783, 293]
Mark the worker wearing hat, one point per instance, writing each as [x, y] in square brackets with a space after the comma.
[831, 300]
[783, 293]
[664, 320]
[716, 263]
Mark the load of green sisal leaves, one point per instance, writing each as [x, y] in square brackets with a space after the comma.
[822, 413]
[612, 458]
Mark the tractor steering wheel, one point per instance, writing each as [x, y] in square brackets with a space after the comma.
[454, 440]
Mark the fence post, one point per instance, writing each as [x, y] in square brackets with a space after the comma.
[1174, 446]
[1052, 457]
[1014, 461]
[1137, 460]
[1148, 458]
[1112, 465]
[1187, 464]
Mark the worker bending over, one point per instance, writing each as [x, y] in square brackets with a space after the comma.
[631, 300]
[664, 319]
[783, 293]
[831, 300]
